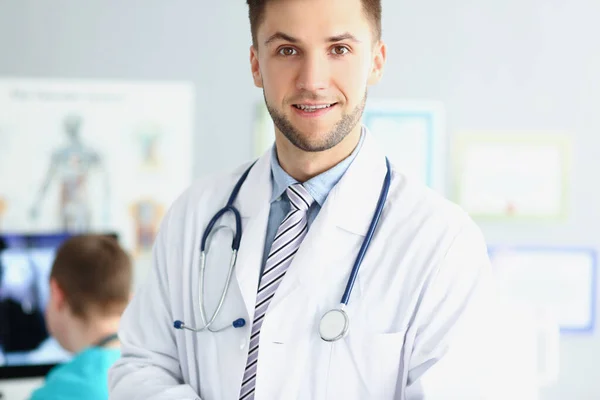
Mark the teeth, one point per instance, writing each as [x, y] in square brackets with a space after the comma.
[312, 108]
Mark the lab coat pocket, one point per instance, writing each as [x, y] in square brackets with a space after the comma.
[365, 366]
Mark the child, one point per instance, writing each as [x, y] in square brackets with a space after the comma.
[90, 286]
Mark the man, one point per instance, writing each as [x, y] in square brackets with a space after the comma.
[419, 307]
[90, 285]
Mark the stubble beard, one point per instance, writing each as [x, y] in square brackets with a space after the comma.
[339, 131]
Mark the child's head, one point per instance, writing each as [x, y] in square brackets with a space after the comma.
[90, 286]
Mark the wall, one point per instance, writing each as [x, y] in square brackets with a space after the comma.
[501, 65]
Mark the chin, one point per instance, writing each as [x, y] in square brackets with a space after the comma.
[314, 129]
[316, 140]
[314, 134]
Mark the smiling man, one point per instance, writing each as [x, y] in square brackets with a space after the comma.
[352, 281]
[314, 73]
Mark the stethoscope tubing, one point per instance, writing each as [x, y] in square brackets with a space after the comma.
[369, 236]
[236, 244]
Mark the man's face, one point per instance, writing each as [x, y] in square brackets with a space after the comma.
[314, 60]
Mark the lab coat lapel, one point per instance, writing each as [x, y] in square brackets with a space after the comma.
[358, 191]
[254, 207]
[332, 243]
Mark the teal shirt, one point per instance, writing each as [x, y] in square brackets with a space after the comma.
[84, 377]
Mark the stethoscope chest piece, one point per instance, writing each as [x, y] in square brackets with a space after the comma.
[334, 325]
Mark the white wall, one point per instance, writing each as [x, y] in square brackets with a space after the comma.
[498, 64]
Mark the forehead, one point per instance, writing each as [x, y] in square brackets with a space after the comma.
[315, 19]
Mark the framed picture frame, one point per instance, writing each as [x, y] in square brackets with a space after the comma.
[560, 280]
[413, 136]
[507, 176]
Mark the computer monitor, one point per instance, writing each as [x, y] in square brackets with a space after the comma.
[26, 349]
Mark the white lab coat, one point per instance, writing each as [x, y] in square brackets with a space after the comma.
[420, 310]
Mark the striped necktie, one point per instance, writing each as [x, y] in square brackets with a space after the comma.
[285, 245]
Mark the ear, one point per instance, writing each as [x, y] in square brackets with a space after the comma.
[255, 67]
[379, 57]
[57, 295]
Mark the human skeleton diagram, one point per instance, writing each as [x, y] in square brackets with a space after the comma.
[71, 166]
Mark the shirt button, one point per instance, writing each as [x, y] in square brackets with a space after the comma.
[242, 345]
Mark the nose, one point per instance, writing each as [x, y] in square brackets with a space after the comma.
[314, 73]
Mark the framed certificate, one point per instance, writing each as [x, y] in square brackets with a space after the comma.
[512, 176]
[560, 280]
[412, 134]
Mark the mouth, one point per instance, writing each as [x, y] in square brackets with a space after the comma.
[311, 108]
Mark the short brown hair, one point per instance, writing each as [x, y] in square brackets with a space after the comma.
[94, 273]
[256, 14]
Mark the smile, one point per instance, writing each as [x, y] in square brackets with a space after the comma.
[313, 107]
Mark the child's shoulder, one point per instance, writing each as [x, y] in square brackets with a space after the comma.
[84, 376]
[95, 359]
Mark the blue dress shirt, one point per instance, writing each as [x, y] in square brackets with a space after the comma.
[318, 187]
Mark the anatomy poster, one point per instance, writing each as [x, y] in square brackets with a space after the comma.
[84, 156]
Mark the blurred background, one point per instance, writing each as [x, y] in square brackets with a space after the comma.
[108, 110]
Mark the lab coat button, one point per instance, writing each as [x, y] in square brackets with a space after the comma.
[243, 345]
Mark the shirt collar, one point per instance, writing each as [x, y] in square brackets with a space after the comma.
[318, 186]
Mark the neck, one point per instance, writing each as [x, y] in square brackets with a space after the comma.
[304, 165]
[91, 332]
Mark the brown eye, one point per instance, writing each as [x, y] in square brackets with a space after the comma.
[340, 50]
[287, 51]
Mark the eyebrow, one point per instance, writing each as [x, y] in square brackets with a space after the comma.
[343, 36]
[280, 36]
[283, 36]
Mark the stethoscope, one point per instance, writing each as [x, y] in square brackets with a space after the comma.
[334, 323]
